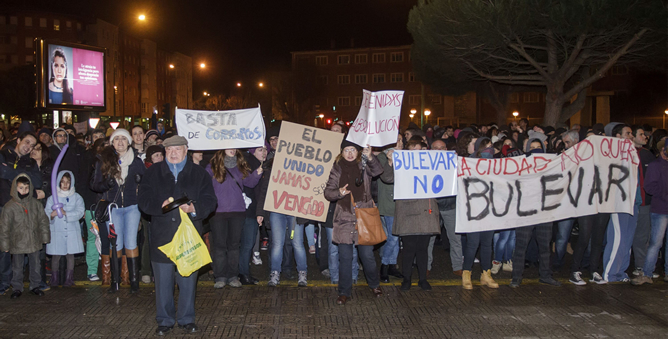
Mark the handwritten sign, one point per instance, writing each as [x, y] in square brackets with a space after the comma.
[213, 130]
[302, 163]
[377, 123]
[424, 174]
[598, 175]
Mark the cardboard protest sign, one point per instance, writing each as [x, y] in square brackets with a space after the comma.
[302, 163]
[81, 127]
[424, 174]
[598, 175]
[214, 130]
[377, 123]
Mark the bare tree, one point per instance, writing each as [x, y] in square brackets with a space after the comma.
[562, 46]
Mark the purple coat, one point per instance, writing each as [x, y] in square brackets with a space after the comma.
[228, 193]
[656, 184]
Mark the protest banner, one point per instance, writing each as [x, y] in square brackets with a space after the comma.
[214, 130]
[424, 174]
[302, 163]
[81, 127]
[597, 175]
[377, 123]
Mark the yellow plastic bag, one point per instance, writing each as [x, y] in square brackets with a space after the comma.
[187, 249]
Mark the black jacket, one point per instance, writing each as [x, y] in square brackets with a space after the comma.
[73, 161]
[157, 186]
[12, 166]
[109, 187]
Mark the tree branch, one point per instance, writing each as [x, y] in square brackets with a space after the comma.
[503, 77]
[551, 53]
[601, 71]
[520, 49]
[566, 67]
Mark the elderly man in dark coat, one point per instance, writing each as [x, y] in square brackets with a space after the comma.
[175, 177]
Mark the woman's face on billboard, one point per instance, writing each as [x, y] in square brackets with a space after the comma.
[59, 68]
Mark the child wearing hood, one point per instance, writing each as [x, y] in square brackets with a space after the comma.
[24, 228]
[65, 231]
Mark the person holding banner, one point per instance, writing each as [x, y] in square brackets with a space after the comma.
[386, 207]
[469, 145]
[230, 174]
[341, 188]
[416, 221]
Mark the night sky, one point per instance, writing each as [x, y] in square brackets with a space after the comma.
[242, 40]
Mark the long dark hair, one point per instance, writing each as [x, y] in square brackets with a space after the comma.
[463, 141]
[218, 165]
[67, 90]
[109, 165]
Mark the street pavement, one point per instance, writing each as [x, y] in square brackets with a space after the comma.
[530, 311]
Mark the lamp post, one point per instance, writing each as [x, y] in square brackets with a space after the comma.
[516, 114]
[427, 113]
[664, 118]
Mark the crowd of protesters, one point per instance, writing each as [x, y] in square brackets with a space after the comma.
[115, 165]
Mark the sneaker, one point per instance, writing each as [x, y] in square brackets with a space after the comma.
[234, 282]
[508, 266]
[655, 275]
[264, 244]
[515, 283]
[496, 266]
[311, 249]
[44, 287]
[625, 280]
[219, 284]
[325, 273]
[596, 278]
[257, 261]
[576, 278]
[146, 279]
[549, 281]
[638, 271]
[637, 281]
[93, 277]
[301, 282]
[274, 278]
[476, 261]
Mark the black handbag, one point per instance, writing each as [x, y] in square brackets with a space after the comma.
[101, 208]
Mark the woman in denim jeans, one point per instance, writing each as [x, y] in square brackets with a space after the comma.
[341, 186]
[117, 176]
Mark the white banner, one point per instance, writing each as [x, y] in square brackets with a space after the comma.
[598, 175]
[424, 174]
[377, 123]
[214, 130]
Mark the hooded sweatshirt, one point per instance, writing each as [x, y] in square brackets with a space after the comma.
[65, 231]
[23, 225]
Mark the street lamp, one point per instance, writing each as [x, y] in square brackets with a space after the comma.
[142, 17]
[202, 65]
[427, 112]
[238, 84]
[664, 119]
[261, 84]
[413, 111]
[515, 114]
[205, 94]
[411, 115]
[321, 116]
[171, 66]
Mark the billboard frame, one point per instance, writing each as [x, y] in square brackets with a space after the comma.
[42, 73]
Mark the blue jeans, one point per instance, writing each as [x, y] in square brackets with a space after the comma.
[656, 239]
[390, 249]
[126, 223]
[280, 224]
[334, 259]
[248, 237]
[310, 234]
[504, 245]
[564, 228]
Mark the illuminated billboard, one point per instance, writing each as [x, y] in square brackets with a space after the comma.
[70, 76]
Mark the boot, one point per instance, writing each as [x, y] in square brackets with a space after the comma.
[383, 274]
[55, 278]
[393, 271]
[133, 270]
[106, 270]
[69, 278]
[486, 280]
[125, 274]
[466, 280]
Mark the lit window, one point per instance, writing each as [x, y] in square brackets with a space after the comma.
[343, 59]
[360, 58]
[397, 57]
[56, 25]
[378, 78]
[361, 78]
[378, 58]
